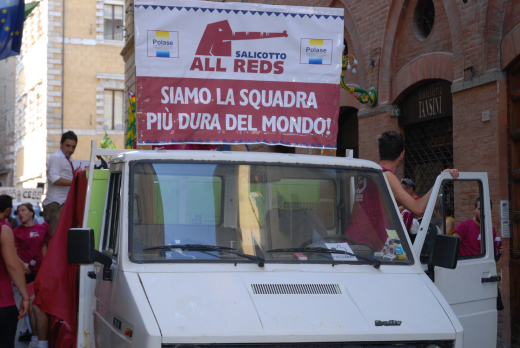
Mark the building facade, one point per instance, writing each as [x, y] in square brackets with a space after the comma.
[68, 76]
[7, 92]
[448, 77]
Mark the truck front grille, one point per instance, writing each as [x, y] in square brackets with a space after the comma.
[296, 289]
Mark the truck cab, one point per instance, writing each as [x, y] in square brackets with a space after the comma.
[235, 249]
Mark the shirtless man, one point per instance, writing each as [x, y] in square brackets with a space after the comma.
[391, 154]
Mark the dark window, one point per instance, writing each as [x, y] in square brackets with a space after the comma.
[347, 132]
[113, 15]
[458, 215]
[112, 214]
[423, 18]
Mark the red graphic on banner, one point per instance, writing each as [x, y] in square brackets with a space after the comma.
[216, 40]
[182, 110]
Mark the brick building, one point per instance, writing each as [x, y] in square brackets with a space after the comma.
[448, 77]
[68, 76]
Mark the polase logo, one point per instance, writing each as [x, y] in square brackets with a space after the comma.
[316, 51]
[163, 44]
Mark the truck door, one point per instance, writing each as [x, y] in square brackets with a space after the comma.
[471, 288]
[104, 321]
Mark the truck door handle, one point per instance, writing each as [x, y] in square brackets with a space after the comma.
[92, 275]
[491, 279]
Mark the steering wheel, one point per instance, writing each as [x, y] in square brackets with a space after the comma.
[332, 238]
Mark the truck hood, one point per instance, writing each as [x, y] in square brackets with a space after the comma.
[235, 307]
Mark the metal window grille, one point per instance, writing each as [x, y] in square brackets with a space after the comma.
[428, 151]
[296, 289]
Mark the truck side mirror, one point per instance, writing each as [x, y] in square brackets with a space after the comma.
[445, 252]
[81, 250]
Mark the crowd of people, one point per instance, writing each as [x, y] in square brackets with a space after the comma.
[23, 249]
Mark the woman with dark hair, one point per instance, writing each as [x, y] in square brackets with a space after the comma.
[31, 241]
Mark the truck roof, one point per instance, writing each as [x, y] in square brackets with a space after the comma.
[241, 156]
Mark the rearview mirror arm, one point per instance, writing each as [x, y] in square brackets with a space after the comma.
[431, 272]
[106, 261]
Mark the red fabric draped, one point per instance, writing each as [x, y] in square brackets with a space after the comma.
[56, 285]
[369, 221]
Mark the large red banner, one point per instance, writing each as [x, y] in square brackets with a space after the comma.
[228, 73]
[231, 111]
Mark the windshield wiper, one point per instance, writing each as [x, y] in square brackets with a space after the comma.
[203, 247]
[320, 250]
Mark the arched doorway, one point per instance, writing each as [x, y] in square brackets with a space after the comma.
[347, 131]
[426, 115]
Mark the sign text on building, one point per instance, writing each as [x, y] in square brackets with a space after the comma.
[23, 194]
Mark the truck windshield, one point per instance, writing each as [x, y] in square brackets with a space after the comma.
[279, 213]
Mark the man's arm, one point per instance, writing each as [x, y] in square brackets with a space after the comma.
[25, 265]
[14, 268]
[54, 172]
[416, 207]
[449, 225]
[501, 250]
[460, 231]
[62, 182]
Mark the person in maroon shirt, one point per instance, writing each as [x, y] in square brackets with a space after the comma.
[469, 233]
[10, 270]
[31, 241]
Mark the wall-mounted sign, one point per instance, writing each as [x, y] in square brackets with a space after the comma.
[33, 195]
[10, 191]
[428, 102]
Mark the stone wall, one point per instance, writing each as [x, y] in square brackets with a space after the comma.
[7, 107]
[32, 99]
[60, 83]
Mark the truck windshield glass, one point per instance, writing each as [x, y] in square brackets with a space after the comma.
[273, 212]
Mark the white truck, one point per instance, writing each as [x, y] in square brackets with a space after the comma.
[242, 249]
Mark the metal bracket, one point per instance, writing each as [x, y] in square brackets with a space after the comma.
[107, 273]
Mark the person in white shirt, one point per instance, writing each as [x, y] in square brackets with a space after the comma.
[59, 177]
